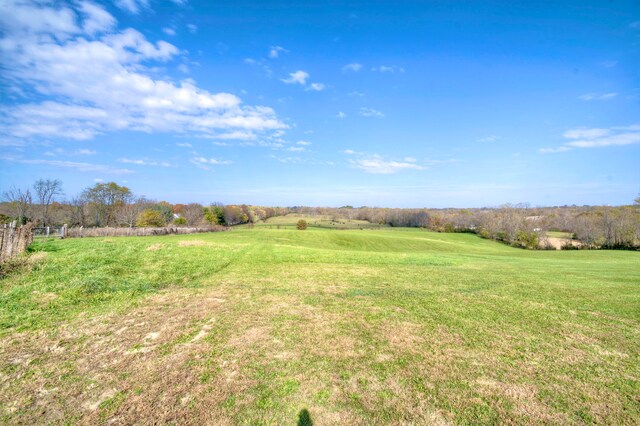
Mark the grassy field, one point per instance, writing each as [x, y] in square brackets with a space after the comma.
[320, 221]
[278, 326]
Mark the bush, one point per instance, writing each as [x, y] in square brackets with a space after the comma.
[302, 225]
[180, 221]
[150, 218]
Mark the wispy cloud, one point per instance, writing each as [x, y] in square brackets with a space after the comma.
[597, 138]
[370, 112]
[303, 143]
[490, 138]
[317, 87]
[353, 67]
[82, 167]
[274, 51]
[184, 145]
[169, 31]
[297, 77]
[206, 163]
[597, 96]
[388, 69]
[145, 162]
[193, 28]
[377, 164]
[132, 6]
[341, 115]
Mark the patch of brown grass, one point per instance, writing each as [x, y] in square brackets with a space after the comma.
[192, 243]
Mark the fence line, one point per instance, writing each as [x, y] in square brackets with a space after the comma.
[14, 240]
[138, 232]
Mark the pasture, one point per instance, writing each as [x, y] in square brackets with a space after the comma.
[278, 326]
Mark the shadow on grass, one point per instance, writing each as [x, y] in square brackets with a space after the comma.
[304, 418]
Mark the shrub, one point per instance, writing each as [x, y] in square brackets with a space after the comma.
[302, 225]
[150, 218]
[180, 221]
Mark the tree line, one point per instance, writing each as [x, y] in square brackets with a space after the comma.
[520, 225]
[110, 204]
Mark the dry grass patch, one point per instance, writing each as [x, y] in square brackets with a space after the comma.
[193, 243]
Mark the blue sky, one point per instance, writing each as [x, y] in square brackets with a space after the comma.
[399, 104]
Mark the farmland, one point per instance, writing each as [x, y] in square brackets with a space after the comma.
[357, 326]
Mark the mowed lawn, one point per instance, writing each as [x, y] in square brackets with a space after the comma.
[255, 326]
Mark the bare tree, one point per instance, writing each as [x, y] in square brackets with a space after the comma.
[21, 202]
[46, 190]
[193, 213]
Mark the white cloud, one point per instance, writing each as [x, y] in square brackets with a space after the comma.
[145, 162]
[341, 115]
[83, 167]
[303, 143]
[388, 69]
[96, 18]
[297, 77]
[296, 149]
[585, 133]
[86, 152]
[554, 150]
[274, 51]
[377, 164]
[169, 31]
[98, 79]
[192, 28]
[184, 145]
[354, 67]
[490, 138]
[356, 93]
[370, 112]
[318, 87]
[132, 6]
[205, 163]
[597, 138]
[597, 96]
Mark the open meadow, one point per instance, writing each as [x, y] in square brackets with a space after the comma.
[324, 327]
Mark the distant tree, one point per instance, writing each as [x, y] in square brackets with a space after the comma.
[215, 215]
[105, 197]
[193, 213]
[150, 218]
[301, 225]
[46, 190]
[180, 221]
[126, 214]
[20, 201]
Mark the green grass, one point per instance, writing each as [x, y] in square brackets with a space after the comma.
[318, 221]
[255, 326]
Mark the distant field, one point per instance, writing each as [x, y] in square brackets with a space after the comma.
[320, 221]
[254, 326]
[558, 234]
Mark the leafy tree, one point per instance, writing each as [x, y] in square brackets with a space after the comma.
[105, 197]
[46, 190]
[215, 215]
[150, 218]
[301, 225]
[180, 221]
